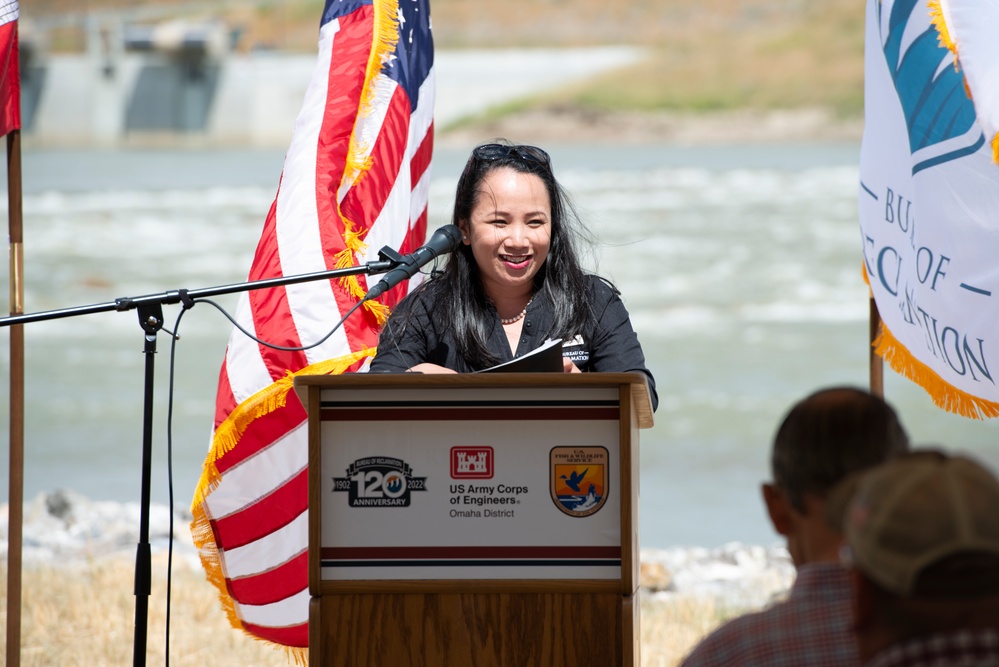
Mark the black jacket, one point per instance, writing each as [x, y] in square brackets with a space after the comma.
[412, 335]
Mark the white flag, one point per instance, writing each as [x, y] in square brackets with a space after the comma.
[929, 205]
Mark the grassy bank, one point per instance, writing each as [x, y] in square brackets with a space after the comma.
[83, 615]
[708, 56]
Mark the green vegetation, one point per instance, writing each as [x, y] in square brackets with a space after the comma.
[813, 58]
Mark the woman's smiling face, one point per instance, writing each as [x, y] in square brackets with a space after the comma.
[509, 231]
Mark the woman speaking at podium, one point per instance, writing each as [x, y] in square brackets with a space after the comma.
[513, 283]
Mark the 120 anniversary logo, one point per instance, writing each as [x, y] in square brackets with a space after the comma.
[379, 481]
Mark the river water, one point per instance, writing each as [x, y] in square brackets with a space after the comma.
[741, 268]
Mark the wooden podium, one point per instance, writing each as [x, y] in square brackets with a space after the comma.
[474, 519]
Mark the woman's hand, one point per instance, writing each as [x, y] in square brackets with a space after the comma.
[429, 368]
[569, 367]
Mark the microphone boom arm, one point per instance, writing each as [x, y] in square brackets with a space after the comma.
[121, 304]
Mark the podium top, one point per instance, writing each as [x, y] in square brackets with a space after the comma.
[637, 381]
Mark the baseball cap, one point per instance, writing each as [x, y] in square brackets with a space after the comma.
[914, 512]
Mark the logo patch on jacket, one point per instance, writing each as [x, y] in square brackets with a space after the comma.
[576, 351]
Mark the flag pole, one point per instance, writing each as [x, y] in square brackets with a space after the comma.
[876, 363]
[15, 501]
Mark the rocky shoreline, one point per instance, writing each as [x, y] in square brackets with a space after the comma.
[63, 528]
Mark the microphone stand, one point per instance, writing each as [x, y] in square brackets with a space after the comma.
[150, 312]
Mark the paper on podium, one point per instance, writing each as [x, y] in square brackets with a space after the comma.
[544, 359]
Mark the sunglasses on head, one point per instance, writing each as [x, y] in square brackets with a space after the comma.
[489, 152]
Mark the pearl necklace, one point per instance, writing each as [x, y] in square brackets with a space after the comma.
[516, 318]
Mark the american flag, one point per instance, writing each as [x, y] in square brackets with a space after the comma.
[355, 178]
[10, 75]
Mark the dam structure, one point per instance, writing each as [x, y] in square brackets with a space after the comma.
[176, 84]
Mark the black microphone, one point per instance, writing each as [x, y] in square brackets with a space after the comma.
[444, 240]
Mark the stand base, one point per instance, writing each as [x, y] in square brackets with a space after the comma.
[482, 629]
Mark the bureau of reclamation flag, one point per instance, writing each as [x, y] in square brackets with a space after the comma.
[10, 75]
[929, 194]
[355, 179]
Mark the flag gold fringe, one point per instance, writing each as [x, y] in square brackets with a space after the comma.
[945, 39]
[378, 309]
[262, 403]
[204, 540]
[938, 21]
[943, 394]
[385, 36]
[995, 148]
[345, 259]
[227, 435]
[384, 39]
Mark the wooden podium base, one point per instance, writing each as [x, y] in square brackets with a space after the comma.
[429, 577]
[551, 629]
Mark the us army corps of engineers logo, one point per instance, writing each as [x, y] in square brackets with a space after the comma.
[379, 481]
[579, 479]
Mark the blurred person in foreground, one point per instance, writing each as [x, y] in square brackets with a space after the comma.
[825, 438]
[922, 547]
[514, 282]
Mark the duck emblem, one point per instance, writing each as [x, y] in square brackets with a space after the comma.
[579, 479]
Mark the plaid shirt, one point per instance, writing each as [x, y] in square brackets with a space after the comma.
[811, 627]
[962, 648]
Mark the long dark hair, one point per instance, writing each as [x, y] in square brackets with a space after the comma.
[460, 297]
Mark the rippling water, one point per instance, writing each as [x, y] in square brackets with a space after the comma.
[741, 268]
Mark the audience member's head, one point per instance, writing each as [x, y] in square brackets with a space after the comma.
[922, 541]
[823, 439]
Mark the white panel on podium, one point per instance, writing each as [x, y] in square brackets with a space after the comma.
[497, 483]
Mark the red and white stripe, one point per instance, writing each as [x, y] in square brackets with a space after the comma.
[257, 510]
[10, 75]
